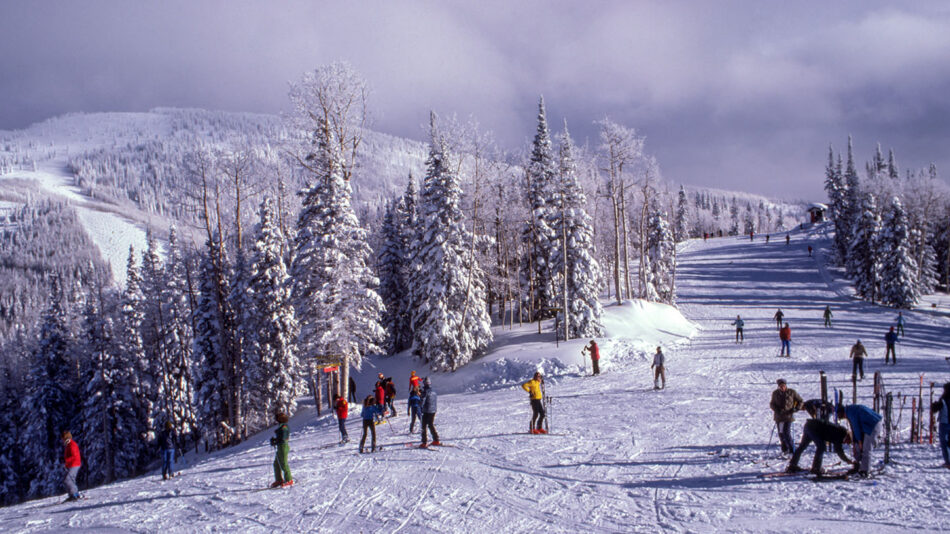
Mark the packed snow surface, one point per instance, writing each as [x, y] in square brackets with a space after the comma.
[621, 456]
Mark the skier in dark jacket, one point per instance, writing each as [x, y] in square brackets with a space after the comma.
[778, 319]
[429, 405]
[942, 408]
[891, 339]
[281, 440]
[827, 315]
[390, 390]
[415, 408]
[900, 324]
[785, 402]
[352, 396]
[369, 413]
[73, 461]
[818, 431]
[739, 323]
[166, 443]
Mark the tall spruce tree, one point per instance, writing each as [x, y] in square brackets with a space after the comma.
[538, 236]
[273, 370]
[391, 289]
[864, 250]
[661, 257]
[681, 222]
[211, 377]
[575, 247]
[898, 267]
[451, 323]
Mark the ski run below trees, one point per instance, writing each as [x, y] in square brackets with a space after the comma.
[621, 457]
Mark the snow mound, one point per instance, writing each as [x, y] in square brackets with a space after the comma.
[633, 330]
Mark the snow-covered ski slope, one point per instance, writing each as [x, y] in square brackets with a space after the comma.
[621, 458]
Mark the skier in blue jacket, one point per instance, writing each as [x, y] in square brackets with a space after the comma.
[739, 323]
[891, 339]
[942, 408]
[369, 413]
[900, 323]
[866, 428]
[415, 408]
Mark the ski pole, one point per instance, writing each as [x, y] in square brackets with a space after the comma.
[771, 435]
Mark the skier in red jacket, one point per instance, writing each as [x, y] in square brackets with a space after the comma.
[342, 411]
[785, 334]
[73, 461]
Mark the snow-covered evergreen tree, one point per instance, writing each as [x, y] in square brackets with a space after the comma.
[852, 206]
[539, 238]
[681, 224]
[836, 188]
[451, 323]
[405, 217]
[211, 379]
[50, 406]
[391, 267]
[863, 256]
[661, 258]
[572, 225]
[273, 371]
[334, 287]
[10, 469]
[898, 267]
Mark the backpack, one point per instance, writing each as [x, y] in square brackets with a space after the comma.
[390, 388]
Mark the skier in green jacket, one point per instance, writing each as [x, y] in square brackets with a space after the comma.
[281, 440]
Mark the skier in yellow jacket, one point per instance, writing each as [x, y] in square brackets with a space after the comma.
[533, 387]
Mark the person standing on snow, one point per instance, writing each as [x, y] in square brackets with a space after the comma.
[866, 427]
[766, 239]
[858, 353]
[415, 408]
[166, 443]
[778, 319]
[942, 407]
[429, 405]
[785, 335]
[370, 410]
[659, 361]
[594, 351]
[533, 387]
[787, 239]
[785, 402]
[342, 411]
[819, 431]
[827, 315]
[891, 339]
[414, 380]
[739, 323]
[809, 251]
[352, 395]
[900, 323]
[380, 393]
[281, 440]
[73, 461]
[390, 390]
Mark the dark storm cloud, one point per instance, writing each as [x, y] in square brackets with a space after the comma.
[744, 95]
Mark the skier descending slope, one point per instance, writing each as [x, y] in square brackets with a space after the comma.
[429, 406]
[281, 440]
[785, 335]
[891, 339]
[778, 319]
[785, 402]
[827, 316]
[659, 367]
[533, 387]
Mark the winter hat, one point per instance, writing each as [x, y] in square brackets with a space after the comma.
[781, 382]
[426, 381]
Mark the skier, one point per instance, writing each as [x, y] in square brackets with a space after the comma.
[380, 393]
[415, 407]
[766, 239]
[739, 323]
[533, 387]
[390, 390]
[370, 410]
[821, 409]
[819, 431]
[594, 352]
[866, 427]
[72, 461]
[828, 316]
[900, 323]
[751, 236]
[352, 395]
[891, 339]
[785, 334]
[858, 353]
[809, 251]
[342, 411]
[281, 440]
[778, 319]
[785, 402]
[787, 239]
[414, 380]
[166, 442]
[942, 407]
[429, 405]
[659, 367]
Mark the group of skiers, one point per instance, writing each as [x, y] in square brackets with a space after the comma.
[422, 405]
[866, 428]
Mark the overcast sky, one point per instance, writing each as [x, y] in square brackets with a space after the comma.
[744, 95]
